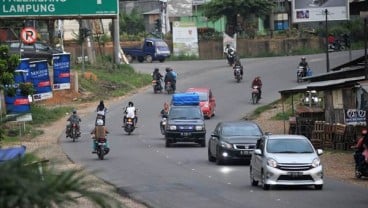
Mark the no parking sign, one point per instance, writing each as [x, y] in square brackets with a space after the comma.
[28, 35]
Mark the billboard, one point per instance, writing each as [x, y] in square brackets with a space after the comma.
[39, 74]
[185, 39]
[58, 8]
[314, 10]
[61, 63]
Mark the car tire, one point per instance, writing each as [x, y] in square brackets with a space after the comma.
[148, 58]
[318, 187]
[210, 157]
[264, 185]
[167, 143]
[219, 161]
[202, 142]
[253, 182]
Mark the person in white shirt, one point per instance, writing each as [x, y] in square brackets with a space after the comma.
[130, 112]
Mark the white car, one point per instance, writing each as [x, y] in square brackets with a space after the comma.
[288, 160]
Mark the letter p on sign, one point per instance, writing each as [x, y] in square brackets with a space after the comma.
[28, 35]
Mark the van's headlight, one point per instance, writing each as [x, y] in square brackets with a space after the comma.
[172, 127]
[199, 128]
[272, 163]
[316, 162]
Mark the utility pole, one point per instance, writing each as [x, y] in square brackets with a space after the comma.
[327, 55]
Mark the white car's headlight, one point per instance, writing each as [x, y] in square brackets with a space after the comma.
[199, 128]
[316, 162]
[272, 163]
[226, 145]
[172, 127]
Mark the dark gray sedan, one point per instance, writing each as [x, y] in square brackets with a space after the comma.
[233, 140]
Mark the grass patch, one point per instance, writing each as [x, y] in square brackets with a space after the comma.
[42, 115]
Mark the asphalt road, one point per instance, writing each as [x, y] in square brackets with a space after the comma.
[181, 176]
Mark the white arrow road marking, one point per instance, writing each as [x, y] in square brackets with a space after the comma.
[99, 1]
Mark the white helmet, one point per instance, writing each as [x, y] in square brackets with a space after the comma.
[99, 122]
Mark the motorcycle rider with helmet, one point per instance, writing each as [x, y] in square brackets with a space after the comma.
[304, 64]
[101, 111]
[361, 153]
[99, 131]
[230, 54]
[73, 119]
[130, 112]
[157, 76]
[257, 82]
[170, 76]
[240, 66]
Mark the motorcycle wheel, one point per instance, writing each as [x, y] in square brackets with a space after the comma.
[254, 98]
[74, 135]
[162, 128]
[238, 79]
[101, 152]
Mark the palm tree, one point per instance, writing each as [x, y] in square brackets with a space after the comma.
[22, 185]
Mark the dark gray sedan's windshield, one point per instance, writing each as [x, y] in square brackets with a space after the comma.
[288, 145]
[241, 130]
[185, 113]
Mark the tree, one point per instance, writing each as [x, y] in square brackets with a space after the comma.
[132, 23]
[23, 185]
[231, 9]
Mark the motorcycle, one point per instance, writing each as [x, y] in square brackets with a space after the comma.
[237, 74]
[361, 167]
[299, 74]
[231, 58]
[101, 148]
[255, 94]
[157, 87]
[73, 132]
[169, 88]
[129, 125]
[163, 124]
[337, 45]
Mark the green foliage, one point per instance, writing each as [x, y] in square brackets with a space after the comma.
[22, 185]
[27, 88]
[115, 81]
[132, 23]
[42, 115]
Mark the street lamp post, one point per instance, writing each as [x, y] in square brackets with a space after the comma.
[327, 55]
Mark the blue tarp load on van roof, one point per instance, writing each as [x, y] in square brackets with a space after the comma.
[189, 98]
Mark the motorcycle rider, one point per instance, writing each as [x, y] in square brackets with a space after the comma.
[99, 131]
[165, 111]
[361, 153]
[240, 66]
[258, 82]
[230, 53]
[130, 112]
[156, 75]
[73, 119]
[170, 76]
[304, 64]
[101, 111]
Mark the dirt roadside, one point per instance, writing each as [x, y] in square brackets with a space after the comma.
[337, 165]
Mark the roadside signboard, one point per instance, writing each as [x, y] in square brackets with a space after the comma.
[39, 74]
[355, 117]
[314, 10]
[59, 8]
[28, 35]
[185, 39]
[61, 71]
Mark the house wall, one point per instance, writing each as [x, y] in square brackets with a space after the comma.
[336, 101]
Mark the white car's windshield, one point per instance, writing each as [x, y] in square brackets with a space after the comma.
[289, 146]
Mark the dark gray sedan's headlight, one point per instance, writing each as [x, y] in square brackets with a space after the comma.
[226, 145]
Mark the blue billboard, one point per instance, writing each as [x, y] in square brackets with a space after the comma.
[61, 71]
[39, 74]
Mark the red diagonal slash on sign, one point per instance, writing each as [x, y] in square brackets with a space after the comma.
[28, 35]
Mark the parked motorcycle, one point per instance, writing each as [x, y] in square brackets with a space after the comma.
[255, 94]
[157, 87]
[73, 132]
[101, 148]
[237, 74]
[169, 88]
[337, 45]
[129, 125]
[163, 124]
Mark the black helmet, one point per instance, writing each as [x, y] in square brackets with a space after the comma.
[74, 111]
[156, 70]
[130, 103]
[167, 69]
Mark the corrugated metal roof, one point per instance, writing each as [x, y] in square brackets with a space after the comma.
[311, 85]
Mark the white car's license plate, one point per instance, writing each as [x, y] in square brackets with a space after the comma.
[295, 174]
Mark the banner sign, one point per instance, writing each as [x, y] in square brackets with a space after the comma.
[59, 8]
[355, 117]
[312, 11]
[61, 71]
[185, 39]
[39, 73]
[24, 67]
